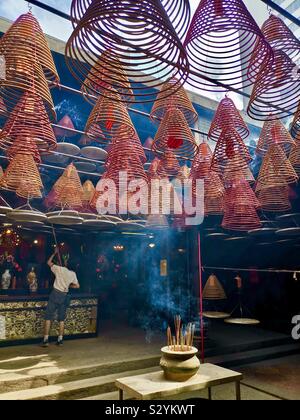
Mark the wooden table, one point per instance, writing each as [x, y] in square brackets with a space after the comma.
[153, 386]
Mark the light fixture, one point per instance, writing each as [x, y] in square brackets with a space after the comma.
[152, 245]
[119, 248]
[35, 242]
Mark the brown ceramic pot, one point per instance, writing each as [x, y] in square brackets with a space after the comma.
[179, 366]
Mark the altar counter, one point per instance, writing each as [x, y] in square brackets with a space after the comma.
[22, 318]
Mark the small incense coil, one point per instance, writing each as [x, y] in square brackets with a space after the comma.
[273, 132]
[214, 47]
[66, 128]
[213, 195]
[22, 172]
[280, 37]
[295, 129]
[109, 118]
[179, 13]
[141, 37]
[277, 92]
[168, 165]
[213, 290]
[226, 117]
[230, 152]
[129, 142]
[88, 193]
[68, 190]
[240, 194]
[214, 206]
[274, 199]
[295, 155]
[241, 218]
[276, 169]
[29, 119]
[174, 133]
[202, 162]
[179, 99]
[107, 73]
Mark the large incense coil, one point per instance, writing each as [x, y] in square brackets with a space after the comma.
[29, 119]
[141, 36]
[230, 152]
[274, 199]
[202, 161]
[128, 143]
[178, 11]
[213, 290]
[277, 93]
[276, 170]
[295, 155]
[179, 99]
[109, 118]
[88, 193]
[174, 133]
[107, 73]
[226, 117]
[295, 129]
[280, 37]
[219, 45]
[273, 132]
[23, 38]
[22, 171]
[168, 165]
[68, 190]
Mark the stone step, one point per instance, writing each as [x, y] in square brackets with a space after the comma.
[73, 390]
[44, 375]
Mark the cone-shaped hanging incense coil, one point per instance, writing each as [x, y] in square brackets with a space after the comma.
[29, 120]
[174, 133]
[296, 123]
[66, 127]
[295, 155]
[213, 290]
[230, 178]
[241, 194]
[226, 117]
[280, 37]
[168, 165]
[276, 170]
[128, 143]
[230, 152]
[152, 171]
[184, 173]
[107, 73]
[274, 199]
[214, 206]
[139, 37]
[179, 99]
[68, 190]
[202, 162]
[178, 11]
[22, 172]
[215, 49]
[88, 193]
[273, 132]
[277, 92]
[25, 146]
[213, 195]
[109, 118]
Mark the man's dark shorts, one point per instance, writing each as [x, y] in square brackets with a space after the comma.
[58, 302]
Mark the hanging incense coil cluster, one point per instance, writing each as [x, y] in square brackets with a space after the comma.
[280, 37]
[29, 120]
[273, 132]
[213, 290]
[230, 152]
[178, 99]
[277, 92]
[109, 118]
[175, 134]
[168, 165]
[139, 37]
[29, 63]
[219, 45]
[240, 208]
[68, 192]
[22, 176]
[226, 117]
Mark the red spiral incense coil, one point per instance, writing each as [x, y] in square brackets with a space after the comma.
[274, 199]
[273, 132]
[225, 117]
[295, 155]
[295, 129]
[108, 118]
[29, 120]
[29, 63]
[168, 165]
[174, 133]
[25, 146]
[230, 152]
[280, 37]
[68, 190]
[231, 178]
[140, 38]
[178, 99]
[88, 193]
[202, 161]
[219, 44]
[276, 169]
[276, 94]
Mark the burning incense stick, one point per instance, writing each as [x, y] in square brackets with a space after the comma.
[184, 338]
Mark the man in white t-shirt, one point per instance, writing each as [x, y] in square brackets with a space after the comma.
[65, 279]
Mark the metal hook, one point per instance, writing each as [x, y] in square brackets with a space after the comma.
[269, 9]
[29, 7]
